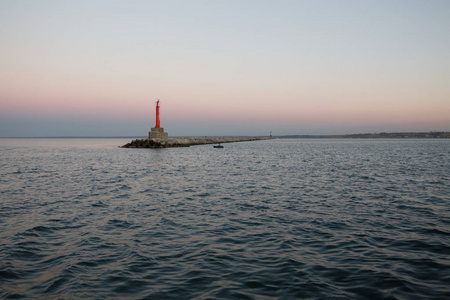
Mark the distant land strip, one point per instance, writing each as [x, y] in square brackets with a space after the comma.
[381, 135]
[186, 142]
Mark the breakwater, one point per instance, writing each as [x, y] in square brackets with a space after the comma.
[186, 142]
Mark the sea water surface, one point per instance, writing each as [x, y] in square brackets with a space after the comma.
[275, 219]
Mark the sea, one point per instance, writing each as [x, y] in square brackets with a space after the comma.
[271, 219]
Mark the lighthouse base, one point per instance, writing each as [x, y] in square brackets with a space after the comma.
[158, 133]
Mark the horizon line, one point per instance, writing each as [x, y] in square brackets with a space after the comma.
[185, 136]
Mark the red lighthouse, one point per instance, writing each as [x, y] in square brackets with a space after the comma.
[157, 114]
[157, 132]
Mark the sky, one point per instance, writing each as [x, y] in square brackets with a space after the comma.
[96, 68]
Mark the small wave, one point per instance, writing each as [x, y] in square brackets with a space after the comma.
[120, 223]
[99, 204]
[8, 274]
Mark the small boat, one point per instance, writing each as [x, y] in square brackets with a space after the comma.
[218, 146]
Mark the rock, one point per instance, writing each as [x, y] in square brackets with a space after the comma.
[185, 142]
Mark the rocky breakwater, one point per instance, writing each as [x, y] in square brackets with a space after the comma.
[185, 142]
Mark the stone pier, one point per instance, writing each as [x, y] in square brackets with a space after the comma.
[186, 142]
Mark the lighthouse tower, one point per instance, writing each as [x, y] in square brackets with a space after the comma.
[157, 132]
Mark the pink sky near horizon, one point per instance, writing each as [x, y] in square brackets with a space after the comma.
[102, 99]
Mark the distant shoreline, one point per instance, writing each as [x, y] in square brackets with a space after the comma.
[381, 135]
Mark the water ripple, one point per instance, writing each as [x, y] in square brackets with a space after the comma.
[275, 219]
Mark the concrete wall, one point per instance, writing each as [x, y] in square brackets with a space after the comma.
[158, 133]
